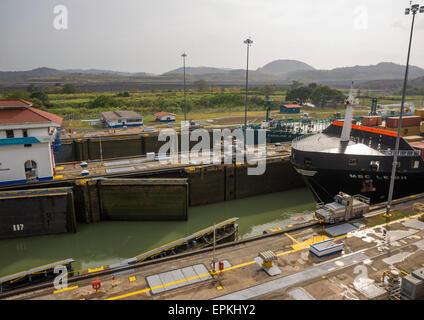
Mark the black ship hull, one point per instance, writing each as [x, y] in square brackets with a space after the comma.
[361, 165]
[324, 184]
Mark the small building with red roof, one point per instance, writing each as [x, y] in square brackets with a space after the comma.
[26, 139]
[165, 116]
[290, 108]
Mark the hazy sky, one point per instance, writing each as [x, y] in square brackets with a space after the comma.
[150, 35]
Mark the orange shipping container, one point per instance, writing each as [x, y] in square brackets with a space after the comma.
[409, 121]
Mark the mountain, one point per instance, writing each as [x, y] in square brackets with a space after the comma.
[274, 68]
[281, 67]
[380, 71]
[16, 76]
[419, 82]
[275, 72]
[392, 84]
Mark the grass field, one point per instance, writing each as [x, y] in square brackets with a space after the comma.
[212, 104]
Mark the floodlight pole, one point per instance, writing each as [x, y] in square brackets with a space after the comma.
[248, 42]
[184, 55]
[414, 10]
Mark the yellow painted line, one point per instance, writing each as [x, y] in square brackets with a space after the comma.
[219, 288]
[297, 247]
[179, 281]
[95, 270]
[66, 289]
[307, 243]
[58, 177]
[59, 168]
[239, 266]
[290, 237]
[340, 237]
[132, 279]
[128, 294]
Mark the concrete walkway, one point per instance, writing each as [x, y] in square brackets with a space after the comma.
[290, 280]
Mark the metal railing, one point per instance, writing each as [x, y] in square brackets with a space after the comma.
[362, 198]
[297, 139]
[401, 153]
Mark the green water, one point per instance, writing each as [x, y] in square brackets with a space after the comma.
[110, 242]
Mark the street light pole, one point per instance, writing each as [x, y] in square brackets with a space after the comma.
[184, 55]
[414, 9]
[248, 42]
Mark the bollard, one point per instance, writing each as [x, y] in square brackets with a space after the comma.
[96, 284]
[113, 281]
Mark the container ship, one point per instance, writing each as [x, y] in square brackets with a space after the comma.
[357, 159]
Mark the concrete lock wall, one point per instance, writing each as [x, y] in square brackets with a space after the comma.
[207, 184]
[143, 199]
[228, 182]
[278, 176]
[83, 149]
[36, 212]
[65, 153]
[94, 201]
[114, 148]
[87, 203]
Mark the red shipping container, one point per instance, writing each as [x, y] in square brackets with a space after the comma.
[409, 121]
[371, 121]
[392, 122]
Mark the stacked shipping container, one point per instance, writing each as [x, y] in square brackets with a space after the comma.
[420, 113]
[371, 121]
[409, 121]
[404, 131]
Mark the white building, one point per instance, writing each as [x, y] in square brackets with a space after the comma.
[26, 136]
[124, 118]
[165, 116]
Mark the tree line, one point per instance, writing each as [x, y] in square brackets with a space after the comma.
[320, 96]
